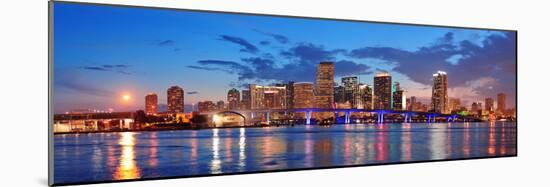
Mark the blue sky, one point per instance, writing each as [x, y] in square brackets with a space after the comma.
[103, 52]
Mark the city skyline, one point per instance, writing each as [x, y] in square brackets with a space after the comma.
[91, 75]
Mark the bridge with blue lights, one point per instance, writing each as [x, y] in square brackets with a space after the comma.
[407, 115]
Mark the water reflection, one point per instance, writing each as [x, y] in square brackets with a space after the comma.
[128, 155]
[127, 168]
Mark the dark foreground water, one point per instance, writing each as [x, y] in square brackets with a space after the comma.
[138, 155]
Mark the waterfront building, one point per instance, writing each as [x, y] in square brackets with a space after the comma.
[233, 99]
[489, 104]
[289, 93]
[454, 104]
[382, 95]
[399, 98]
[267, 97]
[324, 85]
[206, 106]
[413, 104]
[339, 95]
[365, 94]
[245, 101]
[175, 99]
[220, 105]
[439, 93]
[501, 103]
[303, 95]
[151, 104]
[351, 90]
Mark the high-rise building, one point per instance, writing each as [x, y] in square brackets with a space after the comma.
[303, 95]
[206, 106]
[339, 94]
[220, 105]
[413, 104]
[267, 97]
[439, 93]
[476, 108]
[365, 93]
[454, 104]
[501, 102]
[175, 99]
[151, 103]
[351, 90]
[233, 99]
[289, 93]
[245, 101]
[324, 85]
[382, 91]
[489, 104]
[399, 98]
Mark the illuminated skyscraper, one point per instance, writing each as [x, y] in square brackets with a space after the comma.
[324, 85]
[399, 98]
[412, 104]
[245, 101]
[220, 105]
[151, 103]
[382, 91]
[175, 99]
[439, 93]
[489, 104]
[267, 97]
[289, 93]
[303, 95]
[351, 90]
[501, 103]
[206, 106]
[454, 104]
[365, 93]
[233, 99]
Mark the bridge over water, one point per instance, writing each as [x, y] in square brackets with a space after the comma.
[407, 115]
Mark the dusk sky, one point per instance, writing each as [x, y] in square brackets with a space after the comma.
[104, 52]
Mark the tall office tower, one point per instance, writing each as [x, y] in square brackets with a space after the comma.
[267, 97]
[220, 105]
[476, 108]
[175, 99]
[151, 103]
[339, 95]
[501, 103]
[233, 99]
[454, 104]
[206, 106]
[245, 101]
[399, 98]
[489, 104]
[413, 105]
[324, 85]
[382, 91]
[289, 93]
[365, 94]
[303, 95]
[351, 90]
[439, 93]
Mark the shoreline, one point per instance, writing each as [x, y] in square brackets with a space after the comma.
[227, 127]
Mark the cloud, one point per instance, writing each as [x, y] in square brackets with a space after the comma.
[116, 68]
[192, 92]
[265, 42]
[166, 43]
[310, 53]
[246, 46]
[474, 90]
[279, 38]
[83, 88]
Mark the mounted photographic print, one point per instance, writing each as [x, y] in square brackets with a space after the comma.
[139, 93]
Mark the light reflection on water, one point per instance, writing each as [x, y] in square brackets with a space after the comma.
[132, 155]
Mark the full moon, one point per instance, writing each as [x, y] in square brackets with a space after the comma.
[126, 97]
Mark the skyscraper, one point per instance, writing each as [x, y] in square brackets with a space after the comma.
[233, 99]
[382, 91]
[489, 104]
[220, 105]
[267, 97]
[151, 103]
[245, 101]
[175, 99]
[303, 95]
[289, 93]
[324, 85]
[501, 103]
[439, 93]
[365, 93]
[413, 105]
[399, 98]
[351, 90]
[454, 104]
[206, 106]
